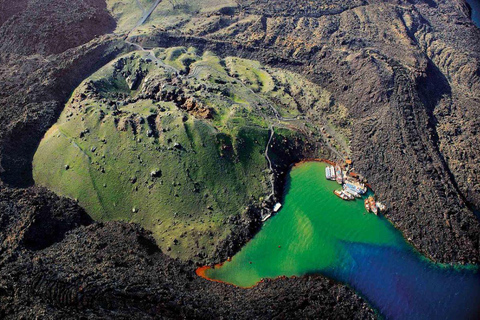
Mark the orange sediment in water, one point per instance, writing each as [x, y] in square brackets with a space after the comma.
[201, 272]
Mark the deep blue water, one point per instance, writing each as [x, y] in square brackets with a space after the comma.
[475, 4]
[401, 284]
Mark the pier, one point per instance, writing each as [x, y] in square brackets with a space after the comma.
[352, 185]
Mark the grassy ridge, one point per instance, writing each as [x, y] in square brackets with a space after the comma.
[194, 188]
[127, 149]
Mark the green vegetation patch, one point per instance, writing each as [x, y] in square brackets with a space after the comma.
[168, 14]
[179, 152]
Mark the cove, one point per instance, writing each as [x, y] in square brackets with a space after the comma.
[317, 233]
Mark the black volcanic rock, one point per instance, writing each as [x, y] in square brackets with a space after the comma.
[50, 27]
[35, 218]
[115, 270]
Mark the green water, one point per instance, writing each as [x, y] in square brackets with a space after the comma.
[309, 229]
[316, 232]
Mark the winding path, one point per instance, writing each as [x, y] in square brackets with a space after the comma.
[145, 14]
[140, 6]
[194, 73]
[151, 53]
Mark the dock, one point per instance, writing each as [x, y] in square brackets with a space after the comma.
[353, 185]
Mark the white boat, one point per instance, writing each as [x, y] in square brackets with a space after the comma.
[339, 175]
[277, 207]
[358, 187]
[381, 206]
[373, 205]
[350, 191]
[342, 195]
[328, 175]
[332, 172]
[265, 218]
[348, 195]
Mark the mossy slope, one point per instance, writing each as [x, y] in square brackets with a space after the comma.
[181, 155]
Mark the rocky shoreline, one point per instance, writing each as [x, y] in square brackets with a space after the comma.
[115, 270]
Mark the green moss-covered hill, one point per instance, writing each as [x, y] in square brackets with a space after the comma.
[173, 140]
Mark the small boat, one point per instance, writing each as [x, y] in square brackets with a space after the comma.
[332, 172]
[350, 191]
[328, 175]
[265, 218]
[348, 195]
[363, 188]
[358, 187]
[339, 174]
[367, 205]
[373, 205]
[277, 207]
[340, 194]
[381, 206]
[343, 195]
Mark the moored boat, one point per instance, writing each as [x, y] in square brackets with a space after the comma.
[339, 174]
[343, 195]
[373, 205]
[351, 191]
[358, 187]
[339, 194]
[348, 195]
[277, 207]
[332, 172]
[367, 205]
[328, 175]
[381, 206]
[265, 218]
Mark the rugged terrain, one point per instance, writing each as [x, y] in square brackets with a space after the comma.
[184, 156]
[115, 270]
[404, 75]
[408, 118]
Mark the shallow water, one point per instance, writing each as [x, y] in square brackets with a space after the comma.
[316, 232]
